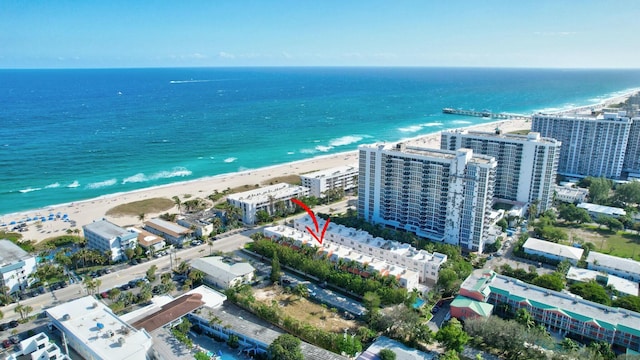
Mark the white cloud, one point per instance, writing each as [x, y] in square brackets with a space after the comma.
[226, 55]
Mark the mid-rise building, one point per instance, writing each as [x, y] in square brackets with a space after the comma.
[343, 177]
[95, 332]
[105, 236]
[560, 312]
[268, 198]
[591, 145]
[15, 267]
[527, 164]
[596, 210]
[442, 195]
[625, 268]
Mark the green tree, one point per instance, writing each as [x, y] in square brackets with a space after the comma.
[178, 203]
[151, 273]
[524, 318]
[275, 268]
[386, 354]
[599, 190]
[591, 291]
[549, 281]
[200, 355]
[452, 335]
[285, 347]
[449, 355]
[129, 253]
[628, 193]
[628, 302]
[371, 302]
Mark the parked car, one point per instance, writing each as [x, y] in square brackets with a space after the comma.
[6, 343]
[104, 294]
[435, 309]
[14, 339]
[13, 323]
[125, 287]
[4, 326]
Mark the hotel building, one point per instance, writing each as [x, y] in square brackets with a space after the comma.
[105, 236]
[527, 164]
[15, 267]
[343, 177]
[591, 145]
[442, 195]
[172, 232]
[266, 198]
[559, 312]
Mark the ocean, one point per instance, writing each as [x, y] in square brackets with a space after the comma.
[70, 135]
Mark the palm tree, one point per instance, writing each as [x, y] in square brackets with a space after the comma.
[23, 310]
[97, 283]
[196, 276]
[141, 217]
[178, 203]
[76, 232]
[89, 284]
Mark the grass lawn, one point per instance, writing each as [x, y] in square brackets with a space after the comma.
[13, 236]
[147, 206]
[621, 243]
[305, 310]
[289, 179]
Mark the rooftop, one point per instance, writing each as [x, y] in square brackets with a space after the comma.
[221, 267]
[568, 252]
[532, 136]
[11, 253]
[167, 227]
[347, 169]
[146, 238]
[621, 285]
[106, 334]
[170, 312]
[480, 308]
[614, 262]
[261, 195]
[106, 229]
[601, 209]
[569, 304]
[247, 324]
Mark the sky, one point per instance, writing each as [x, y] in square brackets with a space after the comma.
[205, 33]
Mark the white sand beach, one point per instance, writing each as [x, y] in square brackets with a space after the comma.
[84, 212]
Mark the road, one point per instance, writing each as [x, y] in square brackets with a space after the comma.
[127, 273]
[122, 274]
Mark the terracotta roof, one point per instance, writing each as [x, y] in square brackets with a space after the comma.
[170, 312]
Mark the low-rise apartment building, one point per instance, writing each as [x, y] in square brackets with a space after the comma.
[172, 232]
[552, 251]
[267, 199]
[625, 268]
[223, 272]
[558, 311]
[105, 236]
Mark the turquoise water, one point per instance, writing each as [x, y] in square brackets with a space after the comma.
[70, 135]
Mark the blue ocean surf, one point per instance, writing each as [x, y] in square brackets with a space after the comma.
[69, 135]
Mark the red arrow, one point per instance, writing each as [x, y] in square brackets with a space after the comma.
[317, 234]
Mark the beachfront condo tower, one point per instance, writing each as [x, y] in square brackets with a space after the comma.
[591, 145]
[527, 164]
[442, 195]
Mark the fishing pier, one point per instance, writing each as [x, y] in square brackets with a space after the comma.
[485, 114]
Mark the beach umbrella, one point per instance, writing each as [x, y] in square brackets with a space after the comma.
[100, 326]
[12, 223]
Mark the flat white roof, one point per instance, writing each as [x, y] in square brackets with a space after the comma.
[614, 262]
[551, 248]
[106, 229]
[261, 195]
[336, 171]
[220, 268]
[601, 209]
[92, 322]
[210, 297]
[163, 225]
[622, 285]
[11, 253]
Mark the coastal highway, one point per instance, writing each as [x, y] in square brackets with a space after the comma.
[127, 273]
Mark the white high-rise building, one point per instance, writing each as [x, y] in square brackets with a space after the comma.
[591, 145]
[527, 164]
[438, 194]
